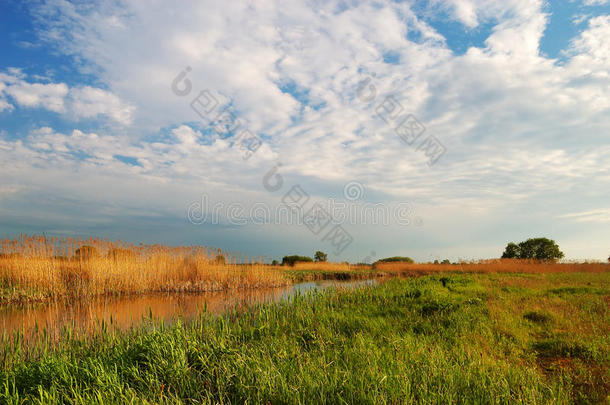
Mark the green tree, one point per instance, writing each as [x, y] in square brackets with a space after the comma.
[512, 251]
[402, 259]
[446, 261]
[320, 256]
[291, 260]
[535, 248]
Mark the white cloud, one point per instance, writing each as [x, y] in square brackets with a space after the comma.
[48, 96]
[499, 93]
[596, 216]
[519, 127]
[87, 102]
[76, 102]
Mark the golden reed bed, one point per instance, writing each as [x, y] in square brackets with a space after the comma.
[33, 267]
[492, 266]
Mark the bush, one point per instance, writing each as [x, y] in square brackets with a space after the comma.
[537, 317]
[85, 252]
[402, 259]
[291, 260]
[119, 253]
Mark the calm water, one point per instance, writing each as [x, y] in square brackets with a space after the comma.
[125, 312]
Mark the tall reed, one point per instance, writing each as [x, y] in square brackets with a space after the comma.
[492, 266]
[41, 267]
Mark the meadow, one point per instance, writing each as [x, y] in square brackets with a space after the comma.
[445, 338]
[491, 331]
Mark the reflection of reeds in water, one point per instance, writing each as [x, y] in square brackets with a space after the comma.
[86, 316]
[34, 266]
[492, 266]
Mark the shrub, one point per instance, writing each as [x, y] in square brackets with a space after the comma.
[85, 252]
[402, 259]
[119, 253]
[537, 317]
[291, 260]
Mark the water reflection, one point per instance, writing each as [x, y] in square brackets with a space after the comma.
[125, 312]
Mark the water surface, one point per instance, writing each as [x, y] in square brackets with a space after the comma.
[126, 312]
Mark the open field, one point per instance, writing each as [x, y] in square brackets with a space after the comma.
[459, 338]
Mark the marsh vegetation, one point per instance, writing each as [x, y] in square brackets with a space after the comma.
[452, 338]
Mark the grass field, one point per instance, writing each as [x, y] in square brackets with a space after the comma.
[446, 338]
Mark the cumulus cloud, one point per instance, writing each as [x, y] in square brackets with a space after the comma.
[76, 102]
[519, 127]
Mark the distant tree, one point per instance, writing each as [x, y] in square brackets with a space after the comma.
[402, 259]
[512, 251]
[446, 261]
[320, 256]
[291, 260]
[275, 262]
[220, 259]
[436, 262]
[608, 259]
[85, 252]
[535, 248]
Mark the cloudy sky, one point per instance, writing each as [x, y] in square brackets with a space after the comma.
[434, 129]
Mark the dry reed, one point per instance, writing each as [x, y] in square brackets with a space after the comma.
[492, 266]
[41, 267]
[322, 266]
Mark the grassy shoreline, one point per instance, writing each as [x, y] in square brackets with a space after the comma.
[491, 338]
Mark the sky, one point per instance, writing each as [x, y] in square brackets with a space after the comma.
[365, 129]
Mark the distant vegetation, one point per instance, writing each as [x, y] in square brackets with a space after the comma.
[320, 256]
[401, 259]
[86, 252]
[291, 260]
[535, 249]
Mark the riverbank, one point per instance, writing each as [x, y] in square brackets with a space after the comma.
[39, 269]
[495, 338]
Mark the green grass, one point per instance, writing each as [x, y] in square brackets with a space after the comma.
[450, 339]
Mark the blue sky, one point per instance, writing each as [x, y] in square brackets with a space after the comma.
[513, 97]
